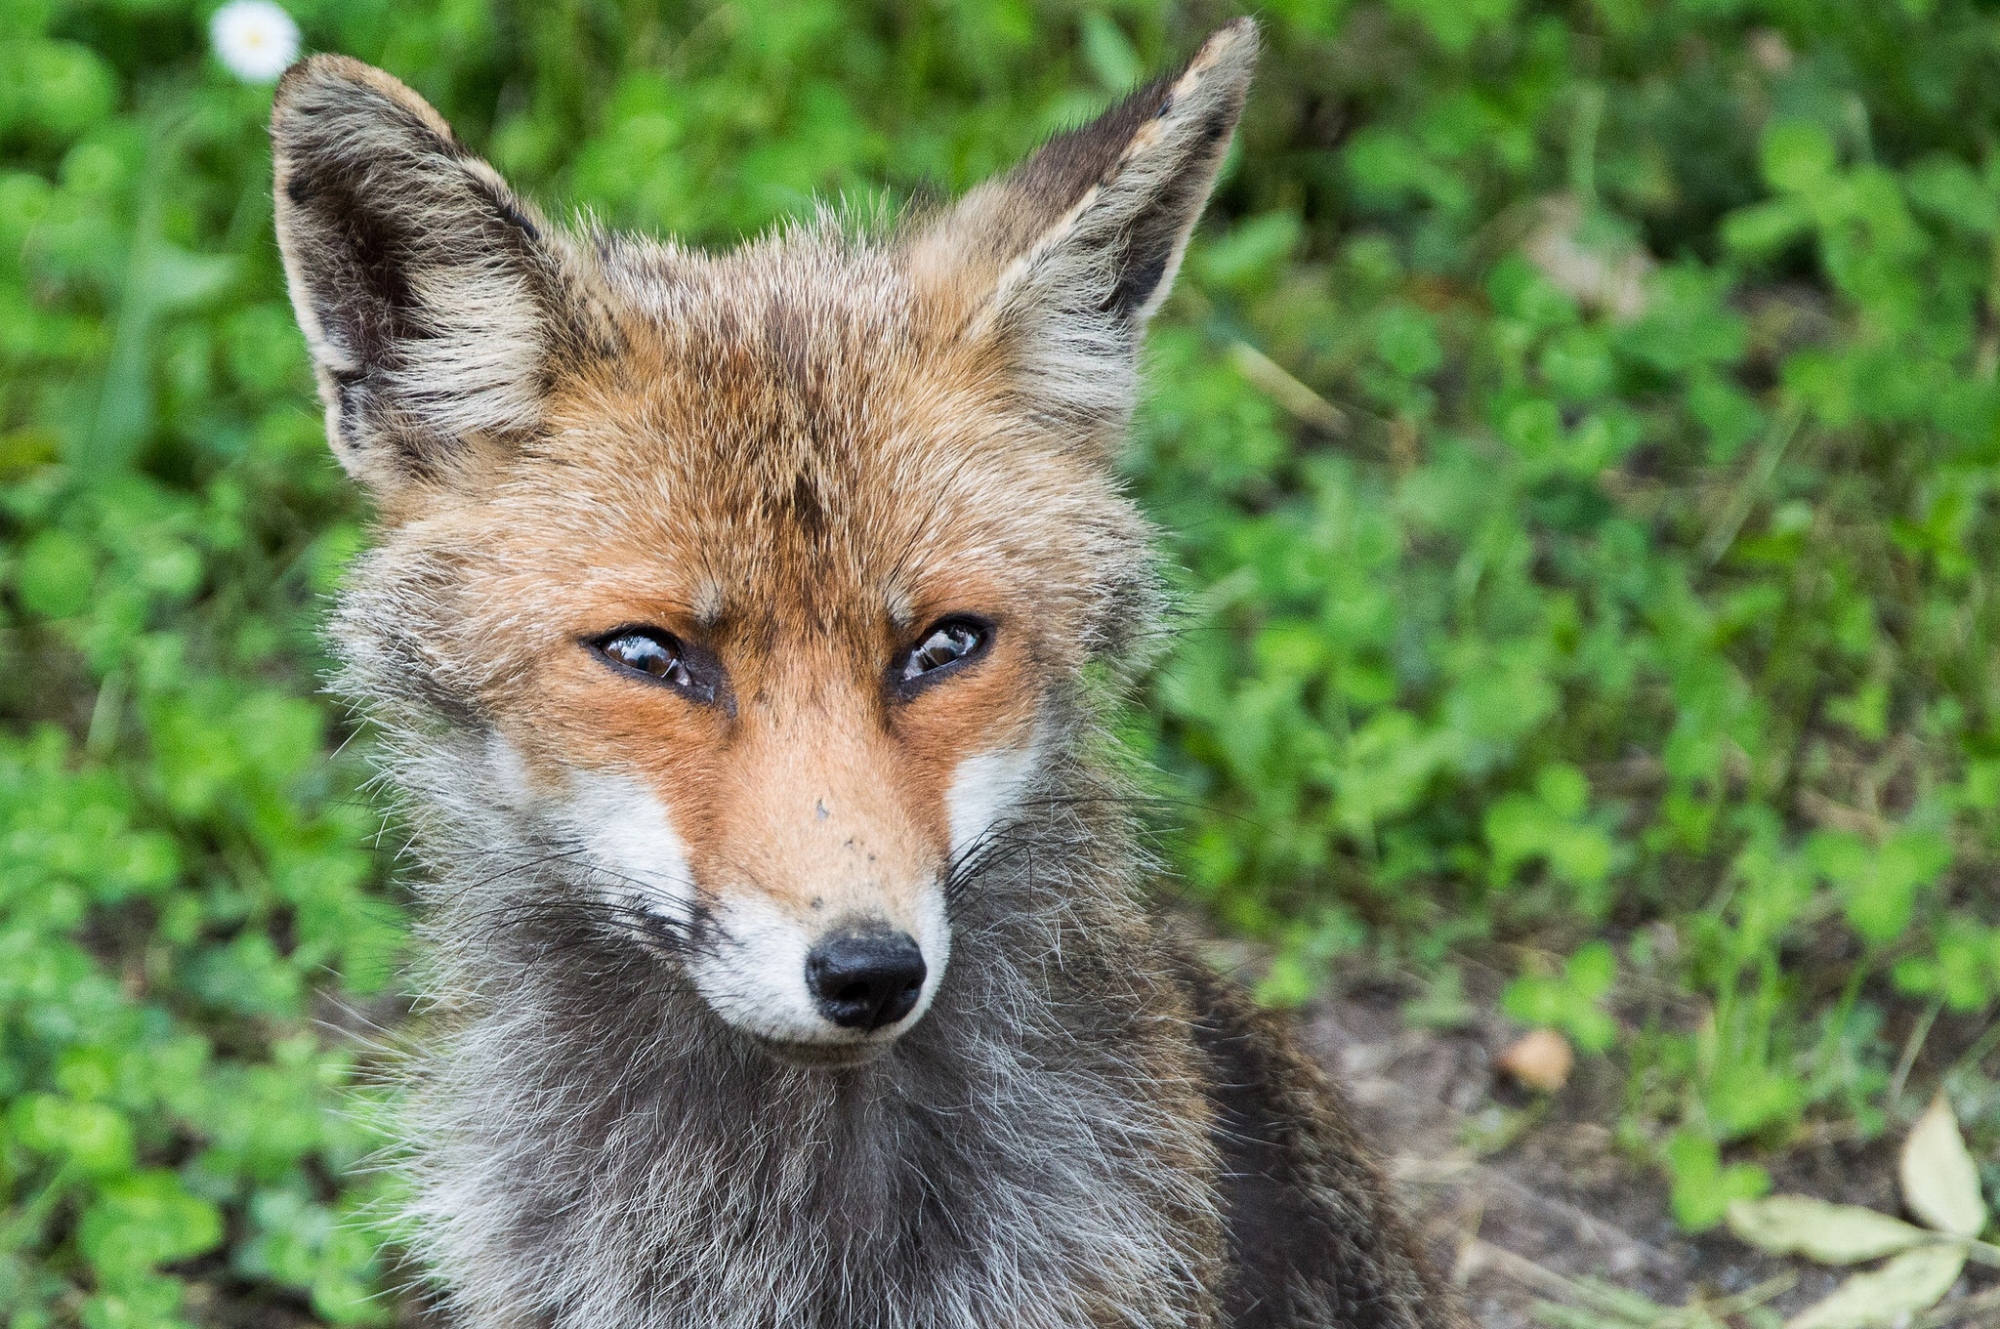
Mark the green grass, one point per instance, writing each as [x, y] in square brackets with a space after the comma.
[1578, 425]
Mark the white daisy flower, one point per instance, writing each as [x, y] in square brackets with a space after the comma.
[254, 39]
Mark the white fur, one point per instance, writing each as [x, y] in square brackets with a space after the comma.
[932, 928]
[751, 966]
[482, 373]
[612, 828]
[985, 789]
[630, 838]
[753, 974]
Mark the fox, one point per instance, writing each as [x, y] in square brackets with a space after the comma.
[744, 632]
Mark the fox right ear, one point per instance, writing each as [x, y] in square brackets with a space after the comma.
[1057, 265]
[436, 303]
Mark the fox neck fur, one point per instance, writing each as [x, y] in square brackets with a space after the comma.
[1037, 1152]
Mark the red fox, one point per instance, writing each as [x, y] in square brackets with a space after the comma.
[741, 628]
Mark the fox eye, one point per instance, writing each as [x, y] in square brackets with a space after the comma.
[949, 643]
[660, 656]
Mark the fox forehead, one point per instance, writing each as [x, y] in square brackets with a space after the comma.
[791, 438]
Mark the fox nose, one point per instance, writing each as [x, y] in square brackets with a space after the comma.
[865, 980]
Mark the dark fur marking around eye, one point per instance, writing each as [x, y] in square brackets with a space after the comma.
[659, 657]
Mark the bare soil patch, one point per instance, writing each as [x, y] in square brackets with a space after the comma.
[1559, 1201]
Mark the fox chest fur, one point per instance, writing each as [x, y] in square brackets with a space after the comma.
[739, 628]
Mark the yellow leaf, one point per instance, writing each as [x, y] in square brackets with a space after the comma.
[1940, 1183]
[1829, 1233]
[1913, 1281]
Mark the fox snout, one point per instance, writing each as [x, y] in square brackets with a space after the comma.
[821, 983]
[823, 944]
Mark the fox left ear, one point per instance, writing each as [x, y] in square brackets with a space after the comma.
[436, 302]
[1060, 262]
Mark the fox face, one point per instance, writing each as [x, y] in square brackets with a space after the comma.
[739, 603]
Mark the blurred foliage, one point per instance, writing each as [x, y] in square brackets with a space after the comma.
[1578, 423]
[1607, 548]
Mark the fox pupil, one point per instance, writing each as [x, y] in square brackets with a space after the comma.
[948, 643]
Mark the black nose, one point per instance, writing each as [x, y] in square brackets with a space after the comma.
[864, 980]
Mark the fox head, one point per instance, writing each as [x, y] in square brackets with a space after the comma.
[744, 597]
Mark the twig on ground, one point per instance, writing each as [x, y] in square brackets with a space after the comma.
[1480, 1255]
[1277, 383]
[1911, 1048]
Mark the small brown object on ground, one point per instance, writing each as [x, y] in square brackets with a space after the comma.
[1540, 1060]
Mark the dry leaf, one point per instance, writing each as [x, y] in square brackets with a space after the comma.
[1913, 1281]
[1540, 1060]
[1940, 1183]
[1829, 1233]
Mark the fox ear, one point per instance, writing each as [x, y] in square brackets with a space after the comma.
[1062, 260]
[436, 303]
